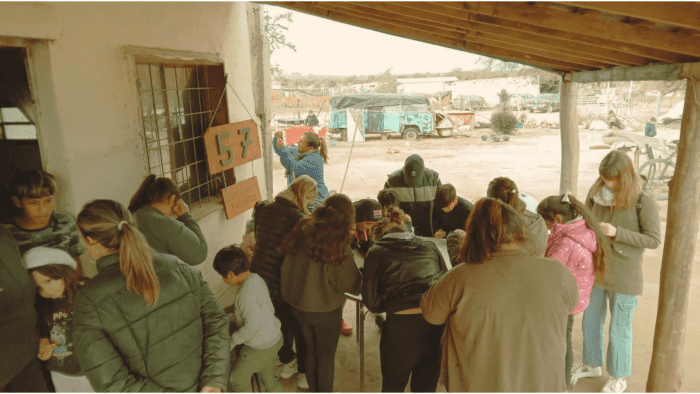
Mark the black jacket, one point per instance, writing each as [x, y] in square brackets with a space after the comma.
[17, 315]
[180, 344]
[417, 202]
[398, 269]
[272, 223]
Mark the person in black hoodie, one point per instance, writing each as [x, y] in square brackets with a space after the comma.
[398, 269]
[416, 187]
[450, 212]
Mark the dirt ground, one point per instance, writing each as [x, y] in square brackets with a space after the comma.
[532, 159]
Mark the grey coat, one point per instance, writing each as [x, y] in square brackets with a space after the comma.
[181, 238]
[623, 273]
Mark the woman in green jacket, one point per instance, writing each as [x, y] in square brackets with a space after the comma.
[146, 322]
[630, 218]
[164, 219]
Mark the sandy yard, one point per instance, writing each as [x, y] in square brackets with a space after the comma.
[532, 160]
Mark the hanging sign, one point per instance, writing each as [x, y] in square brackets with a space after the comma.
[240, 197]
[231, 145]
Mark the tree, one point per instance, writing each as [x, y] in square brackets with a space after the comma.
[388, 82]
[274, 31]
[492, 64]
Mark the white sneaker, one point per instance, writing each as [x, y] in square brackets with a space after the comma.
[289, 369]
[615, 385]
[582, 370]
[302, 383]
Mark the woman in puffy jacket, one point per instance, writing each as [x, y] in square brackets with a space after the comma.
[146, 322]
[398, 269]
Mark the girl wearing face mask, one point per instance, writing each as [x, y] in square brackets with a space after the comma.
[630, 218]
[306, 159]
[56, 278]
[164, 219]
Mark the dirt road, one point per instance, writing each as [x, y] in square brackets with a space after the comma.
[532, 160]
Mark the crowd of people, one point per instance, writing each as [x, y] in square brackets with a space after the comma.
[496, 314]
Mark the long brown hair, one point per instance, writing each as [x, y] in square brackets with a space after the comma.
[303, 188]
[504, 189]
[152, 190]
[491, 224]
[65, 273]
[325, 233]
[101, 220]
[552, 206]
[619, 167]
[316, 142]
[393, 222]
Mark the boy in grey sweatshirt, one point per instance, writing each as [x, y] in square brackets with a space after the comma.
[258, 328]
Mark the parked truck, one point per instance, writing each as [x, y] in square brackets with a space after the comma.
[408, 115]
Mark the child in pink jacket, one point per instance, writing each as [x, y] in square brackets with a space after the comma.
[576, 240]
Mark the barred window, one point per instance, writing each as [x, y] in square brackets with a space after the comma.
[177, 104]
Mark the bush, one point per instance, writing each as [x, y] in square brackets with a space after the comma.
[504, 122]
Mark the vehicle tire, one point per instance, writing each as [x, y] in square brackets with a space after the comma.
[445, 132]
[656, 181]
[344, 135]
[411, 133]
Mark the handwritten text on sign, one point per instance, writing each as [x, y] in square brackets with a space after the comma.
[241, 197]
[231, 145]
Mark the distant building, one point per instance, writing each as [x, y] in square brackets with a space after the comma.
[489, 88]
[424, 85]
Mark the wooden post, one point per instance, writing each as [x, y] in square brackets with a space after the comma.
[665, 373]
[260, 67]
[570, 145]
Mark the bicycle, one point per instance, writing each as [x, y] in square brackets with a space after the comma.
[658, 172]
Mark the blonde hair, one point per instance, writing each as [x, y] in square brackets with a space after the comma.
[302, 188]
[112, 226]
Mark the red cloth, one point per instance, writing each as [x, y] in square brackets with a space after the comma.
[293, 134]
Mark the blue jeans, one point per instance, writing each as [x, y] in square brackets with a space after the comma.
[619, 356]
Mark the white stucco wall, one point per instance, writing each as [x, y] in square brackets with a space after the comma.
[90, 134]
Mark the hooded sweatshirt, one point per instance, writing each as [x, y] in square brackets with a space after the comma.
[574, 245]
[536, 230]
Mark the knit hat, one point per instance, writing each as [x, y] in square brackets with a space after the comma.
[367, 210]
[41, 256]
[413, 170]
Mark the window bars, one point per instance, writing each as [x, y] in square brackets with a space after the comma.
[177, 104]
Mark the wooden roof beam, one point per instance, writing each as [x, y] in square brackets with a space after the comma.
[656, 72]
[526, 59]
[682, 14]
[435, 22]
[636, 53]
[589, 25]
[477, 37]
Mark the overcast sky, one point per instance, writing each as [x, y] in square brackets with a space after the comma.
[332, 48]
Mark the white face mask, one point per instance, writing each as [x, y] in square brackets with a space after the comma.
[604, 197]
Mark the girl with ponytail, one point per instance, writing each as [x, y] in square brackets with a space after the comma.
[504, 189]
[398, 269]
[504, 309]
[577, 241]
[165, 221]
[139, 307]
[306, 159]
[318, 269]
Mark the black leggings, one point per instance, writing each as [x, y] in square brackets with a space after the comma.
[410, 347]
[291, 332]
[321, 331]
[30, 380]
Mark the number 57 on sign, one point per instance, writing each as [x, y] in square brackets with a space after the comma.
[231, 145]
